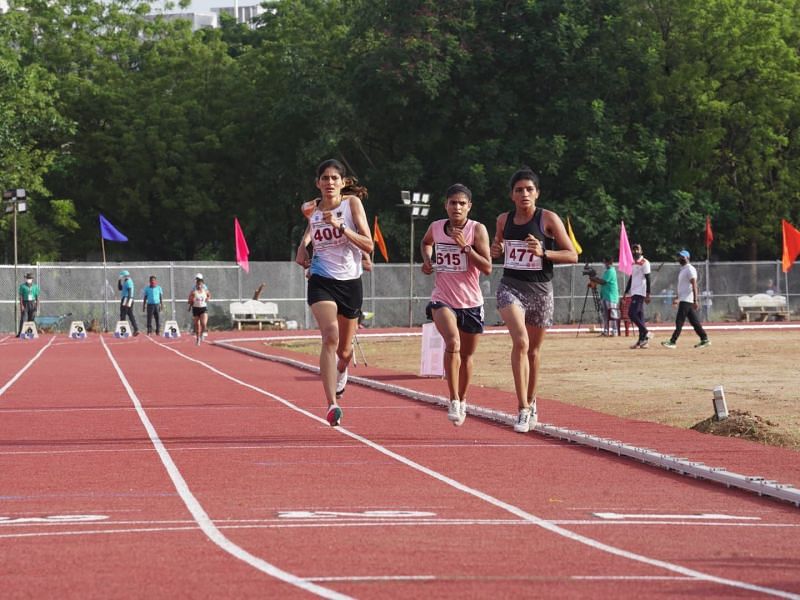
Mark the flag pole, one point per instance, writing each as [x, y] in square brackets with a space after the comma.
[105, 284]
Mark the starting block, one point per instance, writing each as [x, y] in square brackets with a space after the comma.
[171, 330]
[77, 330]
[122, 330]
[29, 331]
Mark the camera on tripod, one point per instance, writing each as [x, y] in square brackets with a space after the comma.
[589, 271]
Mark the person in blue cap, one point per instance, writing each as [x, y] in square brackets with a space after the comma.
[125, 285]
[687, 300]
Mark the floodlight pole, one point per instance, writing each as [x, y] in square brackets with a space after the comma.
[419, 206]
[15, 203]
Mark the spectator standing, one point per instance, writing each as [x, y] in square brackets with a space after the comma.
[609, 296]
[126, 287]
[638, 288]
[152, 303]
[28, 301]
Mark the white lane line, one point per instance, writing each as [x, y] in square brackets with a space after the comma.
[345, 523]
[25, 368]
[268, 446]
[522, 514]
[663, 517]
[199, 513]
[367, 578]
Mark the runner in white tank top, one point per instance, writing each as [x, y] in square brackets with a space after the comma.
[339, 232]
[198, 304]
[457, 250]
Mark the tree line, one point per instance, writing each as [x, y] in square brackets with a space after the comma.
[655, 112]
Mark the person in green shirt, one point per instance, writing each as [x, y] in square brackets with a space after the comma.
[609, 296]
[28, 301]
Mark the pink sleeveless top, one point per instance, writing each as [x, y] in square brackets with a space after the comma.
[457, 282]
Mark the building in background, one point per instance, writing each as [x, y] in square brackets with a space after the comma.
[246, 14]
[198, 20]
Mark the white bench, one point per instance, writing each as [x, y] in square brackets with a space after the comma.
[255, 311]
[764, 306]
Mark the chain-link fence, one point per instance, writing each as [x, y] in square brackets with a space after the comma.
[395, 293]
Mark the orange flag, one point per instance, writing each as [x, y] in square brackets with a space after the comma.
[791, 245]
[709, 233]
[377, 237]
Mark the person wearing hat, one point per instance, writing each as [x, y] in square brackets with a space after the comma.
[152, 303]
[198, 304]
[125, 285]
[687, 300]
[28, 301]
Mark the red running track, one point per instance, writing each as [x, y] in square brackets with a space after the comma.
[143, 467]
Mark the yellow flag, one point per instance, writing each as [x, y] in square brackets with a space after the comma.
[575, 243]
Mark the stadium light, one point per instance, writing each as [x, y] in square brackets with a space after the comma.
[419, 205]
[15, 203]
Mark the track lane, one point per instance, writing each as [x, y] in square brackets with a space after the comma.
[72, 447]
[388, 438]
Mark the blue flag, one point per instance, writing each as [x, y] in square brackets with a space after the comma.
[109, 232]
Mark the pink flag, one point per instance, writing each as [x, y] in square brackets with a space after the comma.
[625, 262]
[242, 251]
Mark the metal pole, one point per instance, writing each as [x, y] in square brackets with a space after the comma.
[411, 274]
[14, 286]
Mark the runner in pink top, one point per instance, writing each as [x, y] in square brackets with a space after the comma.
[457, 250]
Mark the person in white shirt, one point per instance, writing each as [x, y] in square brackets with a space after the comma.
[687, 301]
[638, 288]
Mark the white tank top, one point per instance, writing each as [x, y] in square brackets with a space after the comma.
[334, 256]
[199, 298]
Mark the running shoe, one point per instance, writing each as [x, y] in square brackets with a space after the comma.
[669, 344]
[454, 412]
[523, 424]
[636, 345]
[197, 341]
[341, 382]
[646, 341]
[457, 412]
[534, 413]
[334, 415]
[703, 343]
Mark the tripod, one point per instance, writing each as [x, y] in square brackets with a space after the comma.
[596, 298]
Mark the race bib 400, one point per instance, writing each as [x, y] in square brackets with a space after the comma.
[326, 236]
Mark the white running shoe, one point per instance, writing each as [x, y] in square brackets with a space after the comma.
[341, 382]
[454, 411]
[534, 413]
[457, 412]
[523, 424]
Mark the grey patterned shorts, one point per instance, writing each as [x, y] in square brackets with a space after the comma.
[538, 306]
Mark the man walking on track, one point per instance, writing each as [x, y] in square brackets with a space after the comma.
[687, 303]
[638, 288]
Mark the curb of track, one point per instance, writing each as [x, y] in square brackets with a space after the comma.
[697, 470]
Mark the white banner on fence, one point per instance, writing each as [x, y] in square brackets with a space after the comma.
[432, 356]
